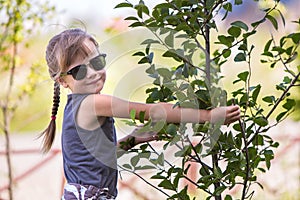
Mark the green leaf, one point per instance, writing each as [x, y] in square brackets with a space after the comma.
[261, 121]
[144, 60]
[173, 54]
[278, 49]
[127, 166]
[267, 46]
[240, 57]
[141, 8]
[151, 70]
[243, 75]
[269, 99]
[166, 184]
[240, 24]
[164, 72]
[267, 53]
[228, 7]
[180, 96]
[134, 160]
[219, 190]
[281, 115]
[256, 92]
[142, 116]
[124, 4]
[234, 31]
[145, 167]
[209, 3]
[273, 21]
[131, 18]
[226, 40]
[237, 2]
[287, 80]
[136, 24]
[150, 41]
[228, 197]
[295, 37]
[132, 114]
[226, 53]
[140, 53]
[161, 159]
[269, 155]
[289, 104]
[218, 172]
[169, 40]
[157, 176]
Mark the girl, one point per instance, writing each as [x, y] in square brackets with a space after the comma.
[88, 133]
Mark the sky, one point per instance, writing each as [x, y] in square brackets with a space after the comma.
[86, 10]
[101, 13]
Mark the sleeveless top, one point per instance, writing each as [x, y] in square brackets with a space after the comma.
[89, 157]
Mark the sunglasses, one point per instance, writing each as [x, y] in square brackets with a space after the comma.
[79, 72]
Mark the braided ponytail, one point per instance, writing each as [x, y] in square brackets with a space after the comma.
[49, 133]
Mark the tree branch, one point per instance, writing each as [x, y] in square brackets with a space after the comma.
[281, 98]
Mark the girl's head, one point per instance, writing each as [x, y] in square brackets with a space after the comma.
[68, 56]
[65, 47]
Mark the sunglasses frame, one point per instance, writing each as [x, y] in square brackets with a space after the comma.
[74, 75]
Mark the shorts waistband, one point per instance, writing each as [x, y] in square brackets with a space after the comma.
[83, 192]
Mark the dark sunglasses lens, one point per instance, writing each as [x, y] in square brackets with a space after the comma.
[79, 72]
[98, 62]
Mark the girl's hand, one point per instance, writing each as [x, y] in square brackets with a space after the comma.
[225, 115]
[142, 137]
[136, 137]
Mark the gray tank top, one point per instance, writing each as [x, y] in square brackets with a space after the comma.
[89, 157]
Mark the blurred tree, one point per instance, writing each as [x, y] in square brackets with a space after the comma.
[19, 20]
[183, 29]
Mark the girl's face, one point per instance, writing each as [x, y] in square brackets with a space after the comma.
[93, 81]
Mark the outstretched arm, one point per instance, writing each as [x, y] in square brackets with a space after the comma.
[106, 105]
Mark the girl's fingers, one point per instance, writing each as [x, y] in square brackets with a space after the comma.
[233, 114]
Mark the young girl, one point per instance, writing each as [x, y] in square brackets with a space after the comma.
[88, 134]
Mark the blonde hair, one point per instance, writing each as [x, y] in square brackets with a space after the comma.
[60, 53]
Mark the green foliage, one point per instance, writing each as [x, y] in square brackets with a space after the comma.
[182, 28]
[19, 20]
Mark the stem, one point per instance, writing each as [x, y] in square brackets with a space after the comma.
[8, 113]
[8, 152]
[215, 162]
[247, 160]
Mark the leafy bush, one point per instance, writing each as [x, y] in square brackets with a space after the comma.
[227, 158]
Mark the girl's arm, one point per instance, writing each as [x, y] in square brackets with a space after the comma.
[106, 105]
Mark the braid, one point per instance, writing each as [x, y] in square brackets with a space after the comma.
[56, 98]
[49, 133]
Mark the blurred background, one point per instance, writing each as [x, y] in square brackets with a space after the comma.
[39, 176]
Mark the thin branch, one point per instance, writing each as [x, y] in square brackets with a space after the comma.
[247, 160]
[199, 159]
[187, 178]
[276, 104]
[143, 179]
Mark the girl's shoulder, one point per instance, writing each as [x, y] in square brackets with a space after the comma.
[100, 104]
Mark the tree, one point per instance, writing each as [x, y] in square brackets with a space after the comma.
[183, 28]
[19, 20]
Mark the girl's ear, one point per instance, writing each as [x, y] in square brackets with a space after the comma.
[62, 82]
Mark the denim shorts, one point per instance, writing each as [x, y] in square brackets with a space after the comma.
[73, 191]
